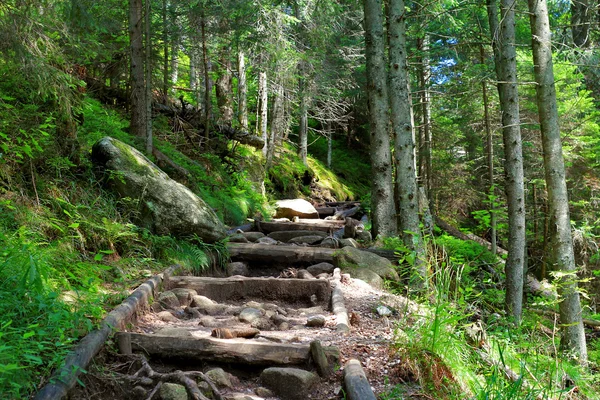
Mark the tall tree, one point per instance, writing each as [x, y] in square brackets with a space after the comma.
[242, 91]
[561, 248]
[136, 47]
[382, 193]
[503, 43]
[403, 128]
[148, 86]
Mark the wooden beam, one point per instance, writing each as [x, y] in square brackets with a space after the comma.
[238, 351]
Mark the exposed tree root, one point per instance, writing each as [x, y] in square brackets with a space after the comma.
[146, 376]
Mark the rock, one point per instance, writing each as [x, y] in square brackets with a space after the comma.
[156, 307]
[192, 312]
[202, 301]
[295, 208]
[330, 243]
[262, 324]
[172, 391]
[238, 268]
[364, 236]
[166, 316]
[238, 238]
[168, 300]
[263, 392]
[310, 239]
[250, 315]
[352, 260]
[253, 236]
[311, 310]
[278, 319]
[289, 383]
[166, 207]
[384, 311]
[184, 295]
[219, 378]
[139, 392]
[304, 274]
[266, 240]
[349, 242]
[254, 304]
[369, 277]
[209, 322]
[320, 268]
[284, 326]
[177, 332]
[213, 309]
[286, 236]
[315, 321]
[240, 396]
[324, 275]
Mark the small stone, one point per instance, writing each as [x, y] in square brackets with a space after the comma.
[330, 243]
[254, 304]
[175, 332]
[209, 322]
[139, 392]
[168, 300]
[278, 319]
[348, 242]
[315, 321]
[156, 307]
[238, 238]
[289, 383]
[304, 274]
[384, 311]
[262, 324]
[266, 240]
[364, 236]
[200, 301]
[166, 316]
[324, 275]
[250, 314]
[184, 295]
[263, 392]
[253, 236]
[320, 268]
[284, 326]
[238, 268]
[172, 391]
[219, 377]
[313, 299]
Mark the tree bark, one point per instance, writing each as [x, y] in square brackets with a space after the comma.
[263, 107]
[382, 194]
[148, 96]
[561, 240]
[303, 124]
[329, 144]
[490, 155]
[207, 80]
[404, 147]
[165, 38]
[138, 94]
[503, 43]
[242, 91]
[224, 88]
[424, 74]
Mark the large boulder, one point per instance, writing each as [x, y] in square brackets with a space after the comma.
[289, 383]
[295, 208]
[166, 206]
[353, 260]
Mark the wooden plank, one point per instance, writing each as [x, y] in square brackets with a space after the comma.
[238, 351]
[302, 225]
[242, 288]
[281, 254]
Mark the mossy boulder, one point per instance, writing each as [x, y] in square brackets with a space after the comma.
[295, 208]
[353, 261]
[166, 206]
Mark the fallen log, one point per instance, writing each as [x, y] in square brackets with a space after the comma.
[242, 288]
[342, 203]
[552, 314]
[238, 351]
[79, 358]
[337, 304]
[466, 236]
[282, 254]
[344, 213]
[356, 383]
[303, 225]
[326, 211]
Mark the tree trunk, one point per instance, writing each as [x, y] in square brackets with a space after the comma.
[382, 195]
[404, 147]
[490, 154]
[303, 126]
[138, 94]
[423, 72]
[562, 257]
[503, 40]
[263, 106]
[207, 81]
[580, 22]
[148, 103]
[224, 89]
[329, 144]
[242, 92]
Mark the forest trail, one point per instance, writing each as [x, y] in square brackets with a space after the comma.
[284, 324]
